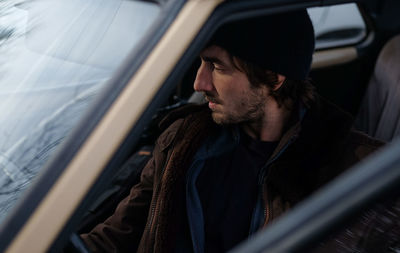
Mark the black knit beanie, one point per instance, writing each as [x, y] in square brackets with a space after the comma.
[282, 43]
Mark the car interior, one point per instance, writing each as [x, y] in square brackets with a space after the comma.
[367, 86]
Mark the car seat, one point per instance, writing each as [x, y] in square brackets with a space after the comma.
[379, 115]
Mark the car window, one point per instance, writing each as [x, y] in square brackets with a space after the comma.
[55, 56]
[337, 25]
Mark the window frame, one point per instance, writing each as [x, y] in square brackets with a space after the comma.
[345, 42]
[20, 214]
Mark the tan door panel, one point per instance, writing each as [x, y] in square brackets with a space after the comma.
[332, 57]
[56, 208]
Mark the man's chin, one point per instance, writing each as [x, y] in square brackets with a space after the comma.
[220, 118]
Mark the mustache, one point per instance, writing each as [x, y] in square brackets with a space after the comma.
[212, 98]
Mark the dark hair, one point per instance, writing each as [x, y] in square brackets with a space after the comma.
[288, 94]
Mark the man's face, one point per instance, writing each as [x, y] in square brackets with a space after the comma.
[228, 91]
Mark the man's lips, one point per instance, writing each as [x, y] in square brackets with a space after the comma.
[212, 102]
[212, 105]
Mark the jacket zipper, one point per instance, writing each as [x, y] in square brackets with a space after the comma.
[266, 200]
[267, 212]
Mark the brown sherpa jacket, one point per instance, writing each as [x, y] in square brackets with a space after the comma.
[317, 148]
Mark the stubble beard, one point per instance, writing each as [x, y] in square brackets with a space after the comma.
[249, 110]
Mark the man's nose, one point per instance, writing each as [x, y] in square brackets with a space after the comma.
[203, 80]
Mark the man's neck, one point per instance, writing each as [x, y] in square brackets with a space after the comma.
[271, 126]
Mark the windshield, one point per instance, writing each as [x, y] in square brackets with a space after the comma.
[55, 55]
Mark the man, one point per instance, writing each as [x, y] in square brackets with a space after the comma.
[262, 143]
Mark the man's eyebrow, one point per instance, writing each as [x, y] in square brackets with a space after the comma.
[212, 59]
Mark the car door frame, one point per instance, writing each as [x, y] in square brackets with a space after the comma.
[66, 167]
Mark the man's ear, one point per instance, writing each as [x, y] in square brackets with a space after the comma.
[281, 80]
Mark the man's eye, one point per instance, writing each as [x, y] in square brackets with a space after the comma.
[210, 65]
[217, 67]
